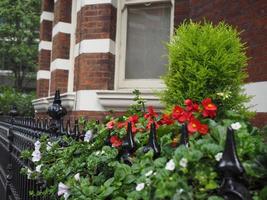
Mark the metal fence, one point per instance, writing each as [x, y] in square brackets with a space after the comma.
[20, 133]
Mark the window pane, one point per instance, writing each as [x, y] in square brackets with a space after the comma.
[148, 28]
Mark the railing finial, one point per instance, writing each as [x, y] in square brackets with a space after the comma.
[232, 171]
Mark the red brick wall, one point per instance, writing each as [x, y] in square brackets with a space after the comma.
[46, 30]
[61, 46]
[48, 5]
[94, 71]
[44, 59]
[59, 81]
[96, 22]
[62, 11]
[182, 10]
[42, 88]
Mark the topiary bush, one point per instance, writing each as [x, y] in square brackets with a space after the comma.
[206, 60]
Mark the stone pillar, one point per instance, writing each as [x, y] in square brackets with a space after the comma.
[45, 47]
[61, 34]
[95, 46]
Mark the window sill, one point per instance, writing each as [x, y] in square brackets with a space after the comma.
[120, 100]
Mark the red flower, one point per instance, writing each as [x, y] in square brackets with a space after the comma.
[193, 125]
[209, 108]
[180, 115]
[111, 124]
[203, 129]
[121, 124]
[115, 141]
[190, 106]
[207, 113]
[151, 113]
[133, 119]
[166, 119]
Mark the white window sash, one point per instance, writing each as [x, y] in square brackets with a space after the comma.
[121, 38]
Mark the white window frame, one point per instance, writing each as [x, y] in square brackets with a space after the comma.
[121, 40]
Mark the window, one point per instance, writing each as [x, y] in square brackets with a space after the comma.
[143, 29]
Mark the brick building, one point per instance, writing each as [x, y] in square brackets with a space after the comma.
[95, 51]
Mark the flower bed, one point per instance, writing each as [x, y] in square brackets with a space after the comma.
[141, 156]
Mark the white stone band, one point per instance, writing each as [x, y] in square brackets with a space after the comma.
[43, 74]
[87, 100]
[259, 92]
[46, 45]
[63, 64]
[48, 16]
[95, 46]
[63, 28]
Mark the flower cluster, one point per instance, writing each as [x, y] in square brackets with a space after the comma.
[191, 114]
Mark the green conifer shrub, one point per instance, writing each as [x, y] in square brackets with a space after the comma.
[206, 60]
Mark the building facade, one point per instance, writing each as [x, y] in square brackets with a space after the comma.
[97, 51]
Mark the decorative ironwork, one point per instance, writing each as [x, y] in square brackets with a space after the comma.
[128, 145]
[184, 135]
[153, 143]
[232, 187]
[56, 111]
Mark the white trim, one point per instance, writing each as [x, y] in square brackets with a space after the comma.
[42, 104]
[48, 16]
[46, 45]
[63, 28]
[43, 74]
[72, 47]
[259, 92]
[121, 35]
[63, 64]
[95, 46]
[121, 100]
[82, 3]
[87, 100]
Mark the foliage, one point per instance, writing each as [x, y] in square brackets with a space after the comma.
[23, 102]
[19, 35]
[92, 168]
[206, 60]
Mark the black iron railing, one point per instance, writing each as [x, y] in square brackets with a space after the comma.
[20, 133]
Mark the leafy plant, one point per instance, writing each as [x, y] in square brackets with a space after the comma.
[10, 97]
[206, 60]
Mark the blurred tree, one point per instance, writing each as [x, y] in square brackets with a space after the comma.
[19, 35]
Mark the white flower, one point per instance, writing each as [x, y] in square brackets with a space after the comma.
[140, 186]
[49, 146]
[97, 153]
[181, 190]
[149, 173]
[77, 177]
[63, 189]
[183, 162]
[170, 165]
[218, 156]
[38, 168]
[37, 145]
[29, 173]
[36, 156]
[236, 126]
[88, 136]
